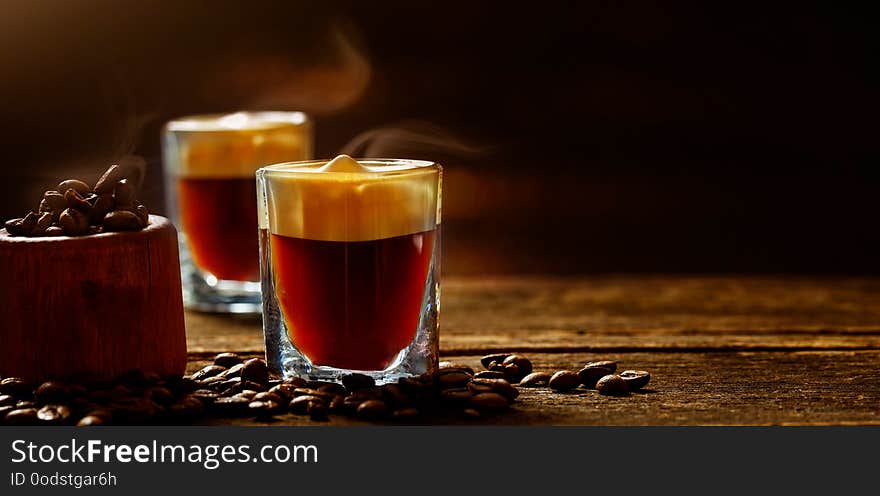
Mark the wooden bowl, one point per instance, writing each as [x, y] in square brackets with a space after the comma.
[91, 307]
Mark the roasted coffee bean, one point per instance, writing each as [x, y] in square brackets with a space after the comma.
[500, 386]
[74, 222]
[232, 406]
[263, 408]
[283, 391]
[121, 220]
[218, 383]
[74, 200]
[136, 378]
[372, 410]
[108, 180]
[564, 380]
[90, 421]
[15, 386]
[91, 198]
[317, 410]
[7, 400]
[267, 396]
[54, 231]
[452, 377]
[142, 214]
[247, 393]
[300, 404]
[27, 404]
[181, 384]
[489, 374]
[314, 392]
[55, 201]
[353, 382]
[350, 404]
[207, 371]
[405, 414]
[332, 388]
[495, 357]
[523, 363]
[160, 395]
[255, 370]
[44, 222]
[80, 187]
[205, 395]
[4, 410]
[187, 408]
[635, 379]
[103, 205]
[592, 372]
[123, 194]
[14, 227]
[511, 372]
[612, 385]
[479, 388]
[394, 395]
[457, 395]
[21, 416]
[29, 223]
[535, 379]
[54, 414]
[608, 364]
[497, 367]
[471, 414]
[452, 365]
[51, 392]
[488, 402]
[295, 381]
[227, 360]
[232, 372]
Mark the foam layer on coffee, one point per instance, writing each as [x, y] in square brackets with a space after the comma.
[347, 200]
[236, 145]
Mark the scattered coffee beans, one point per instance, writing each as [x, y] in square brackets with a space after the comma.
[635, 379]
[593, 371]
[75, 209]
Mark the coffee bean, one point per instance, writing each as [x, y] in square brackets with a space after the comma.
[123, 195]
[283, 391]
[372, 410]
[511, 372]
[205, 395]
[227, 360]
[90, 421]
[457, 395]
[294, 381]
[21, 416]
[635, 379]
[267, 396]
[612, 385]
[564, 380]
[255, 370]
[26, 404]
[337, 404]
[4, 410]
[54, 231]
[207, 371]
[232, 406]
[497, 367]
[608, 364]
[452, 365]
[523, 363]
[500, 386]
[495, 357]
[353, 382]
[592, 372]
[43, 223]
[74, 200]
[489, 374]
[394, 395]
[471, 414]
[160, 395]
[488, 402]
[232, 372]
[29, 223]
[54, 201]
[103, 205]
[405, 414]
[74, 222]
[317, 410]
[14, 227]
[54, 414]
[535, 379]
[142, 214]
[7, 400]
[452, 377]
[186, 409]
[108, 180]
[15, 386]
[121, 220]
[262, 409]
[78, 186]
[51, 392]
[300, 404]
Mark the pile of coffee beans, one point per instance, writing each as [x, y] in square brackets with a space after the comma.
[232, 386]
[74, 208]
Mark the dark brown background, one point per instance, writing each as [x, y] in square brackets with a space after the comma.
[578, 136]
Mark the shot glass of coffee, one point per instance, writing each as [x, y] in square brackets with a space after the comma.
[350, 261]
[210, 162]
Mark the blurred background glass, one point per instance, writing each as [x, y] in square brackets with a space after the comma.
[577, 136]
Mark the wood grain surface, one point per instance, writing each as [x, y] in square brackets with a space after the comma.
[721, 350]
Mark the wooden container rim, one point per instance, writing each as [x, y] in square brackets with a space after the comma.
[157, 223]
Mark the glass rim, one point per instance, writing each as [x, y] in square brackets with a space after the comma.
[220, 122]
[389, 167]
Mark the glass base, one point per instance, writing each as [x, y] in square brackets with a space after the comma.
[418, 357]
[204, 292]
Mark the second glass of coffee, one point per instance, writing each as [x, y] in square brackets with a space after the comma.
[210, 162]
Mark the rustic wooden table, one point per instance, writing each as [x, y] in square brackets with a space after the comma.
[721, 350]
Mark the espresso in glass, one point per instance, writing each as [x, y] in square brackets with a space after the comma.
[350, 252]
[210, 162]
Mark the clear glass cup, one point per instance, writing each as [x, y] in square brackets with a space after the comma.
[350, 262]
[210, 162]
